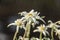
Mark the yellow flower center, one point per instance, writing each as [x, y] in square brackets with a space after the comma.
[29, 15]
[18, 22]
[42, 28]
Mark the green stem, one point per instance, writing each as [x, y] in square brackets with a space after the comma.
[24, 34]
[27, 31]
[41, 36]
[52, 34]
[15, 35]
[14, 38]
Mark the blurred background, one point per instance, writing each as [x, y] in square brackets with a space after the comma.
[9, 11]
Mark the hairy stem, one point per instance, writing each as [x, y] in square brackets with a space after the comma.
[14, 38]
[41, 36]
[52, 34]
[27, 31]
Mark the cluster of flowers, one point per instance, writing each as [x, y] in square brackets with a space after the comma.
[31, 19]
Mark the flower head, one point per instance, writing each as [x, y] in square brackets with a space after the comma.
[42, 28]
[19, 23]
[31, 17]
[52, 25]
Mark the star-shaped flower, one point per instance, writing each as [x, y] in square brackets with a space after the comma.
[31, 17]
[42, 28]
[19, 23]
[53, 25]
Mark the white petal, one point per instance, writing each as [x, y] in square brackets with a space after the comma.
[48, 26]
[57, 22]
[36, 30]
[50, 21]
[31, 11]
[37, 39]
[33, 24]
[11, 24]
[23, 13]
[43, 25]
[42, 16]
[22, 18]
[42, 20]
[35, 13]
[38, 13]
[47, 32]
[34, 20]
[44, 33]
[38, 27]
[57, 26]
[37, 17]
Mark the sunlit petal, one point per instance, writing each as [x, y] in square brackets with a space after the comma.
[11, 24]
[31, 11]
[34, 20]
[47, 32]
[42, 20]
[36, 30]
[50, 21]
[23, 13]
[44, 33]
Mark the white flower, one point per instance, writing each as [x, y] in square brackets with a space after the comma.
[52, 25]
[19, 23]
[31, 17]
[42, 28]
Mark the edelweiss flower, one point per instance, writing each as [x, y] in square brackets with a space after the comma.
[19, 23]
[41, 28]
[52, 25]
[31, 17]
